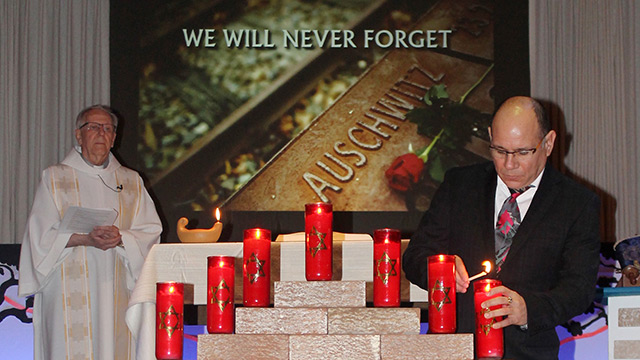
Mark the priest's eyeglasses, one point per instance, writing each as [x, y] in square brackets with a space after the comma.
[95, 127]
[500, 153]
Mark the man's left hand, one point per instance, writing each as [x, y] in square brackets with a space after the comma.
[108, 236]
[514, 308]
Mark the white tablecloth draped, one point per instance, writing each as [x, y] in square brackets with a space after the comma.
[186, 263]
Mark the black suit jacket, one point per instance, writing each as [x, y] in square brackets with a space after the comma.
[553, 261]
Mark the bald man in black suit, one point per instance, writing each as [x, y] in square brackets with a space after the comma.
[550, 268]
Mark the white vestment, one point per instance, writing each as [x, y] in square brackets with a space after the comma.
[54, 273]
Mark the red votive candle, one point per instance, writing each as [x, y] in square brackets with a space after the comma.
[220, 305]
[441, 277]
[386, 268]
[256, 268]
[489, 341]
[169, 316]
[318, 229]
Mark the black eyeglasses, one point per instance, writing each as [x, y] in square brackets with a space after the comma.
[501, 153]
[95, 127]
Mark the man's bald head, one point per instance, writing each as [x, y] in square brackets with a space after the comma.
[521, 141]
[520, 104]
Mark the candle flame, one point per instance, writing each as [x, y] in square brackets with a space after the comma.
[441, 258]
[172, 289]
[319, 210]
[221, 263]
[258, 234]
[386, 240]
[217, 214]
[487, 287]
[487, 266]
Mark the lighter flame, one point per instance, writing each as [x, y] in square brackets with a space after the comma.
[217, 214]
[487, 266]
[487, 269]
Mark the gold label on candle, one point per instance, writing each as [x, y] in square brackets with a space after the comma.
[259, 268]
[439, 286]
[486, 328]
[222, 303]
[169, 317]
[321, 245]
[391, 267]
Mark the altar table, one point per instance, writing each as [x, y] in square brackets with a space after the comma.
[187, 263]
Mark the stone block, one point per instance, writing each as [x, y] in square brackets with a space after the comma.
[431, 346]
[281, 320]
[237, 346]
[303, 347]
[374, 321]
[329, 294]
[626, 349]
[628, 317]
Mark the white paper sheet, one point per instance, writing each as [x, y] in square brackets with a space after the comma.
[82, 220]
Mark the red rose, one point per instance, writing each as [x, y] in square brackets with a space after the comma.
[404, 172]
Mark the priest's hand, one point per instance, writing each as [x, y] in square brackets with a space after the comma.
[102, 237]
[462, 277]
[513, 307]
[106, 237]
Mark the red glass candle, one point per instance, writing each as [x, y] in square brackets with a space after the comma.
[318, 228]
[386, 268]
[220, 305]
[169, 316]
[489, 341]
[256, 269]
[441, 277]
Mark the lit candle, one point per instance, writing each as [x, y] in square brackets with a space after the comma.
[256, 270]
[441, 280]
[199, 235]
[169, 317]
[487, 269]
[318, 228]
[386, 268]
[489, 341]
[217, 227]
[220, 301]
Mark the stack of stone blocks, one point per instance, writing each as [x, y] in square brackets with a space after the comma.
[330, 320]
[624, 325]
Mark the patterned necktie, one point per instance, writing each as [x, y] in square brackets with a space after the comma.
[507, 225]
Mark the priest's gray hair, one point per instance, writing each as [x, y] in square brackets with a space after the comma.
[81, 119]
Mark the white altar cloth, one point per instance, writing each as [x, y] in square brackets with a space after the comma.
[185, 263]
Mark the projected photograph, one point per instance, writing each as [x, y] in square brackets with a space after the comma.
[268, 105]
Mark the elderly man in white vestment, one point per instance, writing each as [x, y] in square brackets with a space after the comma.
[82, 282]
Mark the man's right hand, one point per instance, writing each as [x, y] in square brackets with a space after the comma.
[462, 277]
[101, 237]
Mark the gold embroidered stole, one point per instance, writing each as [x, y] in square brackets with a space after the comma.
[75, 275]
